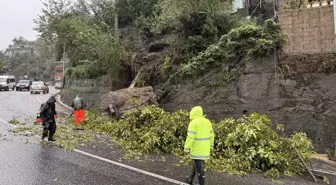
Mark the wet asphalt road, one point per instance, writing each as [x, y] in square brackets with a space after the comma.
[34, 164]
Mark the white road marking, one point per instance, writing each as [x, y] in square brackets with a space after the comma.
[324, 171]
[59, 101]
[128, 167]
[149, 173]
[131, 168]
[38, 99]
[3, 121]
[117, 163]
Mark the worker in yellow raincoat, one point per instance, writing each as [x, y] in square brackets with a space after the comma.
[200, 141]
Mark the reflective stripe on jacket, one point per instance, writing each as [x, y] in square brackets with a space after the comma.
[200, 137]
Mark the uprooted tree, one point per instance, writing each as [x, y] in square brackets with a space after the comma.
[247, 144]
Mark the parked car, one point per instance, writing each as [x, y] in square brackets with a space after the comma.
[58, 85]
[23, 85]
[7, 82]
[39, 87]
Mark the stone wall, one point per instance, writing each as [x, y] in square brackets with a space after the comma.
[304, 102]
[308, 30]
[90, 90]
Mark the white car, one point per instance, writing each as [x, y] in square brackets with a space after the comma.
[7, 82]
[39, 87]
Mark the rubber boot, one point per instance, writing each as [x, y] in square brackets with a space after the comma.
[44, 135]
[201, 179]
[189, 180]
[51, 137]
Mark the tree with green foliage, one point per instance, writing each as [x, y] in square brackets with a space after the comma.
[84, 30]
[172, 10]
[2, 64]
[51, 12]
[130, 11]
[86, 41]
[208, 35]
[2, 60]
[37, 53]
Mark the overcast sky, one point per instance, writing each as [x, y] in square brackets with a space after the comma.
[16, 19]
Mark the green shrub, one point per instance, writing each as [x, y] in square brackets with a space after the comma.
[130, 10]
[250, 144]
[171, 11]
[80, 71]
[142, 131]
[198, 30]
[68, 72]
[244, 145]
[246, 40]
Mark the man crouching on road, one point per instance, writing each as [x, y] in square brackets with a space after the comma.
[200, 141]
[48, 114]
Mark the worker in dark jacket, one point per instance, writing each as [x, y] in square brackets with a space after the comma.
[48, 114]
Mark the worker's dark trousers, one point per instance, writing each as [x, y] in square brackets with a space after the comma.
[197, 169]
[49, 128]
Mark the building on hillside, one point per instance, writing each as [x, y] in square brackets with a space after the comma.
[239, 4]
[262, 9]
[14, 50]
[309, 30]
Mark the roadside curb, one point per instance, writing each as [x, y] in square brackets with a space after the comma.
[58, 95]
[324, 171]
[323, 165]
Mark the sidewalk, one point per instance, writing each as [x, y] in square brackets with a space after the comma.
[60, 105]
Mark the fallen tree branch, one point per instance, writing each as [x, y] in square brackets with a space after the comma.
[304, 164]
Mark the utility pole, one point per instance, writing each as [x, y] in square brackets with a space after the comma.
[63, 58]
[30, 53]
[37, 73]
[334, 10]
[116, 23]
[28, 65]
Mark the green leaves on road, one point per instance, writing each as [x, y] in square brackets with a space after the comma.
[14, 121]
[66, 136]
[244, 145]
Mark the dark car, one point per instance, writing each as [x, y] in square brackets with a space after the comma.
[23, 85]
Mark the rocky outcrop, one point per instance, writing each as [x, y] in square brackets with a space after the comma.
[123, 100]
[304, 102]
